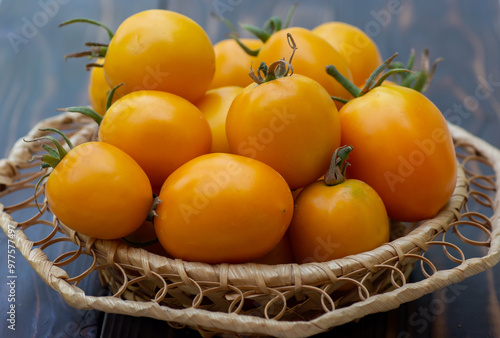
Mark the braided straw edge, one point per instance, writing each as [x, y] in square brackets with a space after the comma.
[239, 274]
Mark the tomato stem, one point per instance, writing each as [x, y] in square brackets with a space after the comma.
[289, 15]
[53, 156]
[277, 69]
[258, 32]
[376, 78]
[248, 50]
[152, 213]
[109, 99]
[391, 73]
[271, 26]
[85, 111]
[345, 82]
[376, 73]
[92, 65]
[90, 21]
[97, 50]
[234, 35]
[422, 78]
[338, 165]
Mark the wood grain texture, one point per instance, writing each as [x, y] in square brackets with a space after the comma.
[35, 80]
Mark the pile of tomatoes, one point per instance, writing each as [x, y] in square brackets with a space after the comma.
[266, 167]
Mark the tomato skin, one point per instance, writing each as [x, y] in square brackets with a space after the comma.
[214, 105]
[98, 89]
[290, 123]
[161, 131]
[160, 50]
[223, 208]
[313, 54]
[99, 191]
[281, 254]
[332, 222]
[402, 148]
[359, 51]
[232, 63]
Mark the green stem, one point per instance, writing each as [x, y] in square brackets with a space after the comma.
[420, 81]
[90, 21]
[289, 15]
[345, 82]
[411, 60]
[258, 32]
[249, 51]
[339, 99]
[338, 165]
[60, 133]
[272, 25]
[53, 156]
[109, 100]
[85, 111]
[376, 73]
[390, 73]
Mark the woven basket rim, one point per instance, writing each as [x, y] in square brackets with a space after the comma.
[264, 275]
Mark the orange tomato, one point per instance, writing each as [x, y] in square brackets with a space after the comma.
[161, 131]
[160, 50]
[223, 208]
[99, 191]
[332, 222]
[214, 105]
[359, 51]
[232, 63]
[313, 54]
[290, 123]
[403, 149]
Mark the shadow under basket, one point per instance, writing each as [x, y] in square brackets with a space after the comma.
[257, 299]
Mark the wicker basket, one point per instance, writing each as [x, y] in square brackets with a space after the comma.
[257, 299]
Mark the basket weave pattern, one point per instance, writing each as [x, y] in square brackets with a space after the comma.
[257, 299]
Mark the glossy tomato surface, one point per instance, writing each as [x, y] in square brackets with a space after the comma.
[290, 123]
[359, 51]
[214, 105]
[332, 222]
[402, 148]
[161, 131]
[313, 54]
[98, 89]
[99, 191]
[232, 63]
[160, 50]
[223, 208]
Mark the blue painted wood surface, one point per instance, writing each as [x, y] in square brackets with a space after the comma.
[35, 81]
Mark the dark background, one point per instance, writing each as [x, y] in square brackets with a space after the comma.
[35, 81]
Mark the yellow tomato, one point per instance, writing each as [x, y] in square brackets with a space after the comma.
[223, 208]
[313, 54]
[232, 63]
[99, 191]
[161, 131]
[214, 105]
[332, 222]
[358, 49]
[98, 89]
[290, 123]
[403, 149]
[160, 50]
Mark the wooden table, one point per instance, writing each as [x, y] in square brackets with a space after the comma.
[35, 81]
